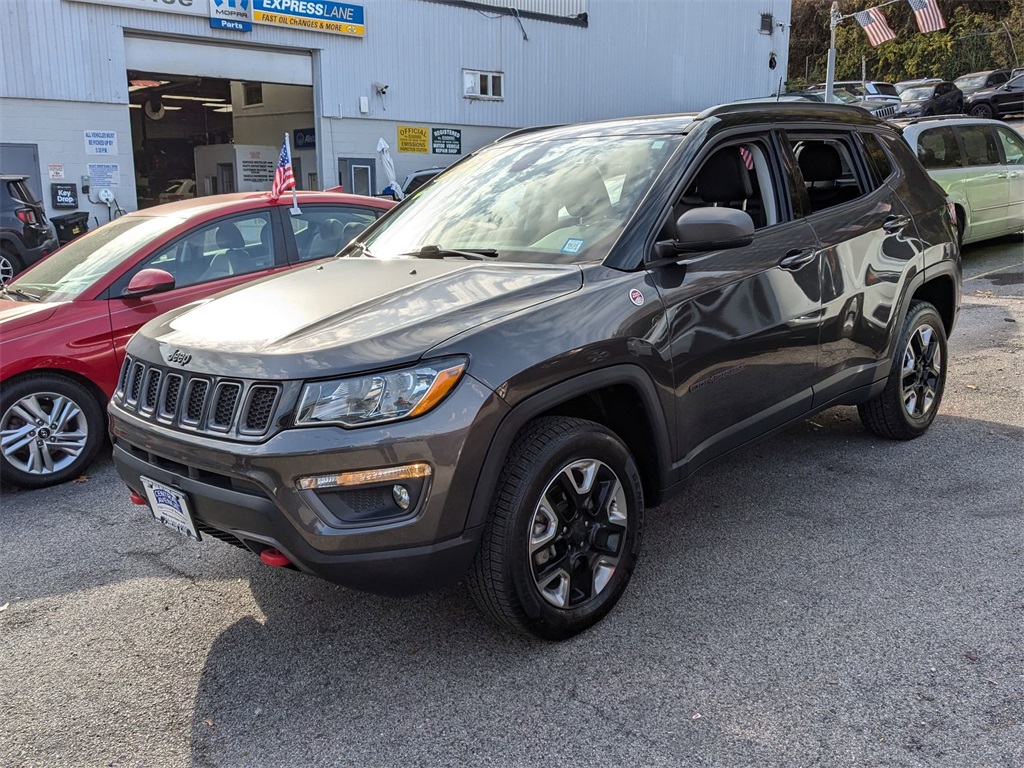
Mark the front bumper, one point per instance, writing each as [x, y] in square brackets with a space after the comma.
[247, 493]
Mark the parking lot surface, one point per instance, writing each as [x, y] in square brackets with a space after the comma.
[821, 598]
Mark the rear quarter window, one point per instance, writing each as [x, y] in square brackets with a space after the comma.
[979, 145]
[881, 167]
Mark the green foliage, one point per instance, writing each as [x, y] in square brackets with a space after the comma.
[980, 34]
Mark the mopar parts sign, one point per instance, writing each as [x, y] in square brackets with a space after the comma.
[230, 14]
[314, 15]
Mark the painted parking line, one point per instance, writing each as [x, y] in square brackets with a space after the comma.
[992, 272]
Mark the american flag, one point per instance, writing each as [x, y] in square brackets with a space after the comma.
[927, 14]
[748, 159]
[875, 25]
[284, 178]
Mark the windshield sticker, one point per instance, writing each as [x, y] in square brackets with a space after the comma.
[572, 245]
[658, 144]
[636, 297]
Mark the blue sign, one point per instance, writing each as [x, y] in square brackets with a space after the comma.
[230, 14]
[315, 15]
[304, 138]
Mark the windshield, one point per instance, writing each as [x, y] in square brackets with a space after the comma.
[917, 94]
[556, 201]
[970, 82]
[71, 270]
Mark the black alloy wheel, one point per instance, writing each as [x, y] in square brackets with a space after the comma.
[982, 111]
[562, 540]
[908, 404]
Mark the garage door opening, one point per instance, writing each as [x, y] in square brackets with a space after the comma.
[194, 136]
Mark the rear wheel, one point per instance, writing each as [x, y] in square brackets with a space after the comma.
[10, 265]
[51, 429]
[564, 532]
[981, 110]
[908, 404]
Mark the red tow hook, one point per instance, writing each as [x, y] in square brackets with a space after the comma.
[138, 499]
[273, 558]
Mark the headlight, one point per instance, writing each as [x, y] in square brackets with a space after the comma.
[379, 397]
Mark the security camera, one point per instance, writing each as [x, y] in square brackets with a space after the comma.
[381, 88]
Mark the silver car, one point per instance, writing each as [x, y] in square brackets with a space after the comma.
[980, 165]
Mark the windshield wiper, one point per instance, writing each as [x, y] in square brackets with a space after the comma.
[354, 246]
[18, 292]
[437, 252]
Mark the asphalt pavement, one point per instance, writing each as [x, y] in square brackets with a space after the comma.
[822, 598]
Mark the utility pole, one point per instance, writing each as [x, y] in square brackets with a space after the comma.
[830, 76]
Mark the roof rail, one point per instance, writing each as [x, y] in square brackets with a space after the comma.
[916, 120]
[808, 107]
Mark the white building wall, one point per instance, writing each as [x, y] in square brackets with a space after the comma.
[633, 57]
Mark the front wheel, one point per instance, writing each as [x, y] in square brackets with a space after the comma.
[564, 532]
[51, 429]
[908, 404]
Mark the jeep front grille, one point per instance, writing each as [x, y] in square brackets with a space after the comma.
[197, 403]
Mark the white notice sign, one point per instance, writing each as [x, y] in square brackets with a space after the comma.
[104, 175]
[55, 171]
[101, 142]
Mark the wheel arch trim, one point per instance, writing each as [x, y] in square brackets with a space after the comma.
[625, 374]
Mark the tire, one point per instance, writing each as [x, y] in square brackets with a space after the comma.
[571, 493]
[65, 438]
[10, 265]
[983, 111]
[908, 404]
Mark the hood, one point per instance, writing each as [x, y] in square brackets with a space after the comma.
[347, 315]
[982, 93]
[15, 315]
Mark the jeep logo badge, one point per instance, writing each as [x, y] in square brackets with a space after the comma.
[179, 357]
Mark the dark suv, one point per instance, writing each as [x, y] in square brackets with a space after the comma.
[25, 234]
[499, 377]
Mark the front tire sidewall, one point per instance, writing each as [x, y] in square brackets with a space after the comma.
[91, 409]
[551, 622]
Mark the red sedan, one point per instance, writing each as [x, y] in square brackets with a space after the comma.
[65, 322]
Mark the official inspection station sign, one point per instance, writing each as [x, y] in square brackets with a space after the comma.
[414, 138]
[314, 15]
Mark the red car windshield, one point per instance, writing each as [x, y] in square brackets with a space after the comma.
[73, 269]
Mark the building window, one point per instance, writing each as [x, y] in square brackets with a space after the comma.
[252, 94]
[477, 84]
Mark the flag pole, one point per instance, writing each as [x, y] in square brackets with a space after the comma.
[294, 210]
[830, 76]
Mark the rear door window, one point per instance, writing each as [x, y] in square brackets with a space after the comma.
[323, 230]
[831, 172]
[938, 148]
[979, 145]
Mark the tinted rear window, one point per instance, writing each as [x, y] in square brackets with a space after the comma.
[886, 89]
[16, 192]
[980, 145]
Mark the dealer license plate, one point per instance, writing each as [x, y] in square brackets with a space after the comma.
[170, 507]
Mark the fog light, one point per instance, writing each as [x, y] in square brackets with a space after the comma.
[365, 477]
[401, 496]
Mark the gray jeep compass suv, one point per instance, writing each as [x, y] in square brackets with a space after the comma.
[497, 379]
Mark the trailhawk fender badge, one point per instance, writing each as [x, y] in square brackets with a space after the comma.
[177, 356]
[636, 297]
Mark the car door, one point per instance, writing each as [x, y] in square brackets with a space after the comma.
[869, 244]
[986, 181]
[323, 230]
[743, 322]
[1012, 146]
[1009, 98]
[211, 257]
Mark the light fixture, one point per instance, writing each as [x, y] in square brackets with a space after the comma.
[366, 477]
[135, 106]
[171, 109]
[203, 99]
[224, 109]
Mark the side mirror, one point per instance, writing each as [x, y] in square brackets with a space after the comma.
[149, 281]
[706, 229]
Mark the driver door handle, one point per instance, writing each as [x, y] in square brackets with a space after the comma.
[895, 223]
[797, 258]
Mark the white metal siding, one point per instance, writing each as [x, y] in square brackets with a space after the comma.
[633, 58]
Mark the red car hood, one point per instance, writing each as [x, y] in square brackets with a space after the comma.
[15, 315]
